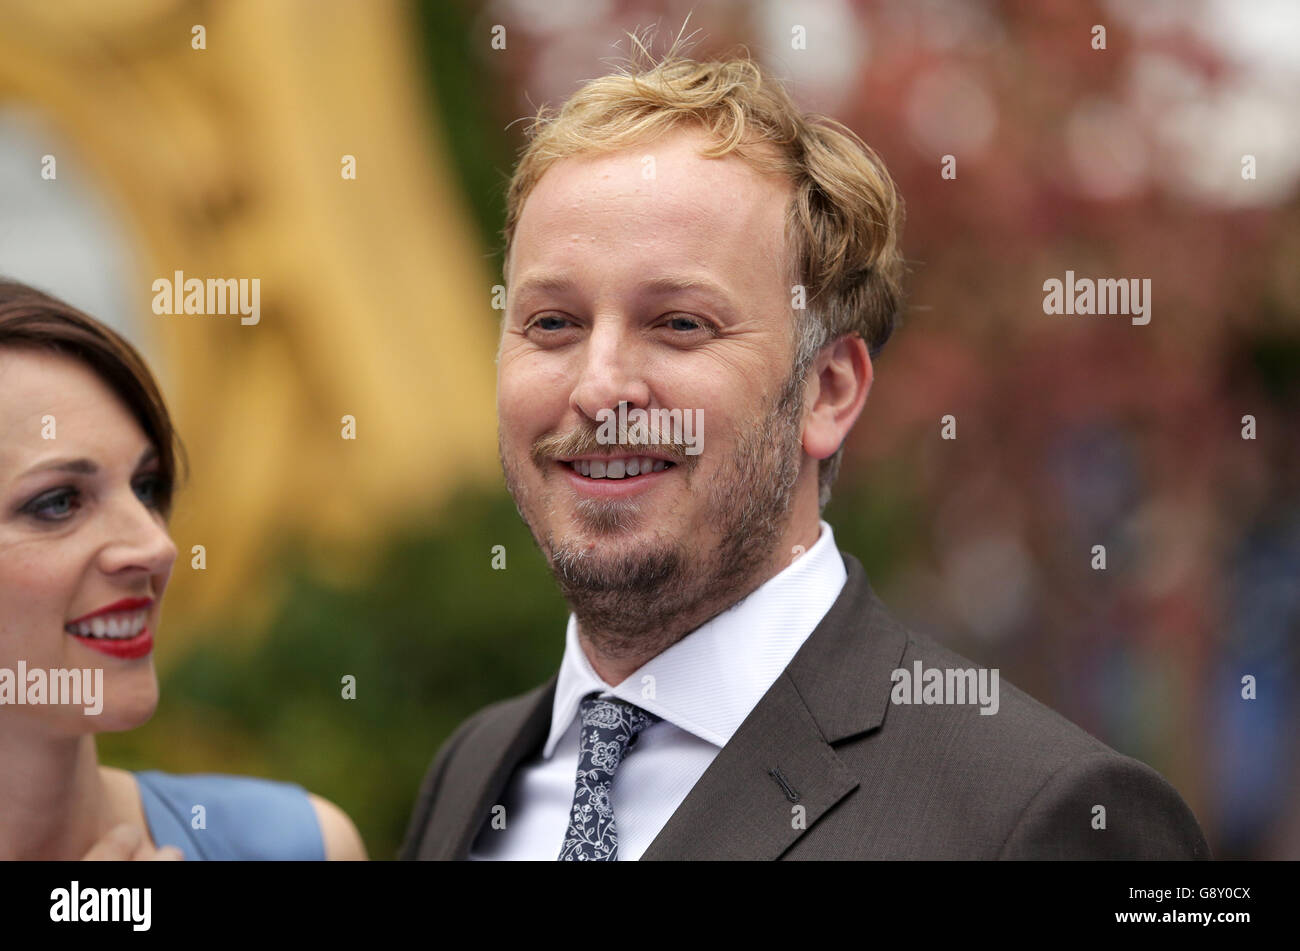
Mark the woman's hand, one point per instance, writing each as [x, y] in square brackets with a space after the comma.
[127, 843]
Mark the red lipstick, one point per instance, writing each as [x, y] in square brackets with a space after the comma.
[130, 648]
[126, 604]
[137, 645]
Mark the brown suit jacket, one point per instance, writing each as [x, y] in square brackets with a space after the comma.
[876, 780]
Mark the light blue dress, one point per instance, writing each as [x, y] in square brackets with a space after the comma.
[241, 817]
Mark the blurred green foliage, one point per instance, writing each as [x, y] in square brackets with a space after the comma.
[435, 636]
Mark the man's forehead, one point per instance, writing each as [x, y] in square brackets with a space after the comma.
[549, 283]
[660, 205]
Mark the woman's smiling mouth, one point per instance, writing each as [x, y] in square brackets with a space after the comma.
[117, 629]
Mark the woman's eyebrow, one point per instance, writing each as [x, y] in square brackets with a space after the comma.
[85, 466]
[78, 466]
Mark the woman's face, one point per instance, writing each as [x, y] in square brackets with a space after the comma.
[84, 550]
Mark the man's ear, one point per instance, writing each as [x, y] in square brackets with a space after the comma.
[837, 390]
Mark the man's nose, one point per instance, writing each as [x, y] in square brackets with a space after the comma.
[612, 370]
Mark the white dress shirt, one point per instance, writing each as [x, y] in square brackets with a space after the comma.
[703, 687]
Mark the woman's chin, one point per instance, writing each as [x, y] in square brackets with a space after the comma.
[128, 719]
[125, 708]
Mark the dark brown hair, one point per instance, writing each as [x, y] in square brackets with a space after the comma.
[34, 319]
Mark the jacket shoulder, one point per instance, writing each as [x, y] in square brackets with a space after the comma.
[468, 751]
[1013, 717]
[999, 774]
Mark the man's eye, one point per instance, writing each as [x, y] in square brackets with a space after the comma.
[53, 506]
[685, 323]
[550, 322]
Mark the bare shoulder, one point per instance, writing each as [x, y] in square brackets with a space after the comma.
[342, 841]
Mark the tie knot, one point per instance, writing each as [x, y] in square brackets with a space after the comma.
[609, 720]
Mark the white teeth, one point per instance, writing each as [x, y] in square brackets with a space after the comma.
[112, 627]
[619, 468]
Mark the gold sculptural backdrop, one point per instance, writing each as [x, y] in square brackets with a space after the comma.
[231, 162]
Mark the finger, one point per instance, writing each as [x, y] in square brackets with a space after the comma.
[168, 853]
[117, 846]
[143, 851]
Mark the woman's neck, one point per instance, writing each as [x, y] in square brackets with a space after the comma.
[56, 804]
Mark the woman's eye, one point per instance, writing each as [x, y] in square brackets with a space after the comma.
[53, 506]
[147, 489]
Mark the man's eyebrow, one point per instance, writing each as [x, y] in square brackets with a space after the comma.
[543, 284]
[664, 286]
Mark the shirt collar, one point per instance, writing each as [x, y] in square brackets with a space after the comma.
[710, 680]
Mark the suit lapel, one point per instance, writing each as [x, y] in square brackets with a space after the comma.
[512, 734]
[745, 806]
[738, 809]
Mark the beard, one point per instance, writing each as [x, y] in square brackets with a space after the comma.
[640, 599]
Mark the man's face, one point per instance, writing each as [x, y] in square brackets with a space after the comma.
[601, 310]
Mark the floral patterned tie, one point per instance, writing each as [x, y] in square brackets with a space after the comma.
[609, 729]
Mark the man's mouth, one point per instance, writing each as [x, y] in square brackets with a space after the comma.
[617, 467]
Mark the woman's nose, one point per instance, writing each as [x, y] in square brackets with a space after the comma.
[138, 539]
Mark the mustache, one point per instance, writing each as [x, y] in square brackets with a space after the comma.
[583, 442]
